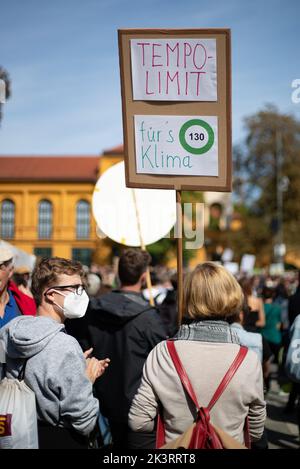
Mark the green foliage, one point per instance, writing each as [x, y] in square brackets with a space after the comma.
[162, 250]
[191, 197]
[256, 168]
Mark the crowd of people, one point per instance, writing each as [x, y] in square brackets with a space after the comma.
[96, 353]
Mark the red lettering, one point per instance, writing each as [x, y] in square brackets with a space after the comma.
[185, 52]
[198, 80]
[176, 75]
[186, 82]
[176, 47]
[147, 83]
[143, 48]
[159, 83]
[194, 55]
[155, 56]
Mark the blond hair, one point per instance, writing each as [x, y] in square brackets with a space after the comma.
[211, 291]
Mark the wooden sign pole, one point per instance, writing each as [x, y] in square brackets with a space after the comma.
[179, 256]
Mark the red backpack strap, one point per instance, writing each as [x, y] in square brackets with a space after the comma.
[160, 431]
[222, 386]
[229, 375]
[189, 389]
[181, 372]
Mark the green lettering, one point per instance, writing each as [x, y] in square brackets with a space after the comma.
[186, 162]
[145, 155]
[173, 160]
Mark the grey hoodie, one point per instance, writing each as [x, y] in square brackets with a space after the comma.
[55, 371]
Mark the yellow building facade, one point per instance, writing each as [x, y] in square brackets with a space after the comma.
[45, 205]
[64, 199]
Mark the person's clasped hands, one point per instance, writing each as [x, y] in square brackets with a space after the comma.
[94, 367]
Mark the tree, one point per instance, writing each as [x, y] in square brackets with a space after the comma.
[5, 77]
[256, 168]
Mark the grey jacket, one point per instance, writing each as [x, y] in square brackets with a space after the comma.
[55, 371]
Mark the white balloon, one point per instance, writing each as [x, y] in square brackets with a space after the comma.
[117, 214]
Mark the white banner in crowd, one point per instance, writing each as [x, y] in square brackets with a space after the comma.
[232, 267]
[247, 263]
[227, 255]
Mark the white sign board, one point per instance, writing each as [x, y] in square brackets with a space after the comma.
[178, 145]
[247, 263]
[232, 267]
[227, 255]
[174, 69]
[177, 82]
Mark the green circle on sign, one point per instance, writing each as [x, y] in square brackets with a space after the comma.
[209, 130]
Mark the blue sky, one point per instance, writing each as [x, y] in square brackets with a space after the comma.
[62, 57]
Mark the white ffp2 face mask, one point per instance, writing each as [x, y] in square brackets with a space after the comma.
[75, 305]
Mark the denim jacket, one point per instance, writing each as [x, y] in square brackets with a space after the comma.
[208, 331]
[252, 340]
[292, 365]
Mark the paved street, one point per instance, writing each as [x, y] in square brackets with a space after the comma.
[282, 428]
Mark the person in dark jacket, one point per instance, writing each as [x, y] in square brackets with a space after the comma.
[168, 309]
[123, 326]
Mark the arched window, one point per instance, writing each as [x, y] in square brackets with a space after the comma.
[45, 219]
[83, 219]
[7, 219]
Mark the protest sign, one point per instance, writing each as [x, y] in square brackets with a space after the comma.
[176, 100]
[174, 69]
[176, 103]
